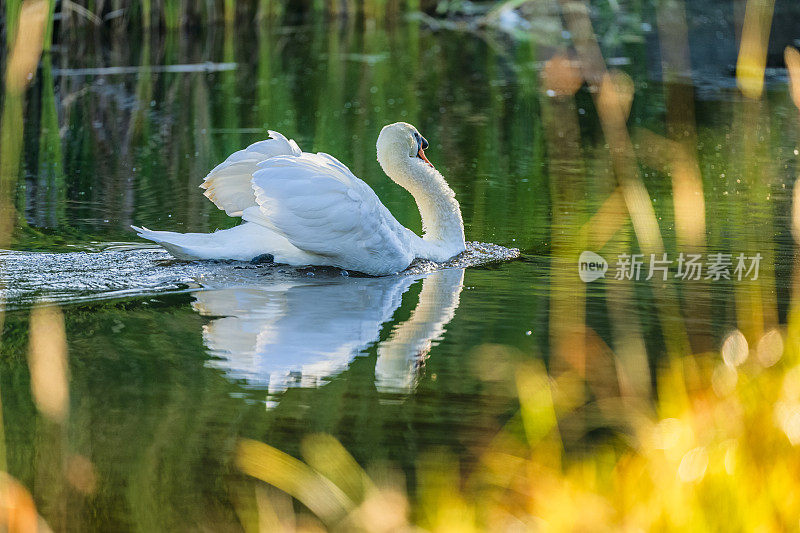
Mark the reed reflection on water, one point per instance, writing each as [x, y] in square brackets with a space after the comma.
[626, 403]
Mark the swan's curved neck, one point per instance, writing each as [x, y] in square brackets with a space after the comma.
[442, 226]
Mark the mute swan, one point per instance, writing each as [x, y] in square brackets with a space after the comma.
[309, 209]
[306, 329]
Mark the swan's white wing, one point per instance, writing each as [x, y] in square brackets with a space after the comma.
[322, 208]
[228, 185]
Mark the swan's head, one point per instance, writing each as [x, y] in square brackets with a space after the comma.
[402, 156]
[398, 141]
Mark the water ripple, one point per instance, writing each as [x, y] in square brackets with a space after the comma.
[122, 270]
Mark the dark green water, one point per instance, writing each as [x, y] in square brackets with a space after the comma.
[164, 380]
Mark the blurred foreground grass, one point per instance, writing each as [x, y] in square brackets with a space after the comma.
[703, 439]
[716, 452]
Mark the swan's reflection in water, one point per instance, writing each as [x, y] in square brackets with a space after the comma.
[299, 332]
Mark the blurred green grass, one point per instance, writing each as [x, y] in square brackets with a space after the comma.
[705, 439]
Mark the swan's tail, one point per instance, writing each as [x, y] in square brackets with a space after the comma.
[243, 243]
[188, 246]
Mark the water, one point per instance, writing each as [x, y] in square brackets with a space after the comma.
[121, 269]
[171, 363]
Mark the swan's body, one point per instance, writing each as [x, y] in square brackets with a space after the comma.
[309, 209]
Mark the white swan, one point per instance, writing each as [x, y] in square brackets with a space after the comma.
[309, 209]
[304, 330]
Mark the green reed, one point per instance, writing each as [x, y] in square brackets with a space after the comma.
[528, 172]
[12, 18]
[51, 186]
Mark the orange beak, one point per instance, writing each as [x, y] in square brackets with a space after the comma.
[421, 155]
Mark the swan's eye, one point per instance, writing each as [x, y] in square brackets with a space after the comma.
[422, 143]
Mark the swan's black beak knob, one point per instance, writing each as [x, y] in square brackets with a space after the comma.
[422, 144]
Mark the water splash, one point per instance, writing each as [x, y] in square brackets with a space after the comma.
[122, 270]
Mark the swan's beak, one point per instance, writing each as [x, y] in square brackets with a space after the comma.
[421, 155]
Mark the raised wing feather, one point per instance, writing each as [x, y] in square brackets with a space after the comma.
[322, 208]
[228, 185]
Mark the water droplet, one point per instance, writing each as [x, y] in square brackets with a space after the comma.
[734, 349]
[788, 417]
[693, 465]
[668, 433]
[770, 348]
